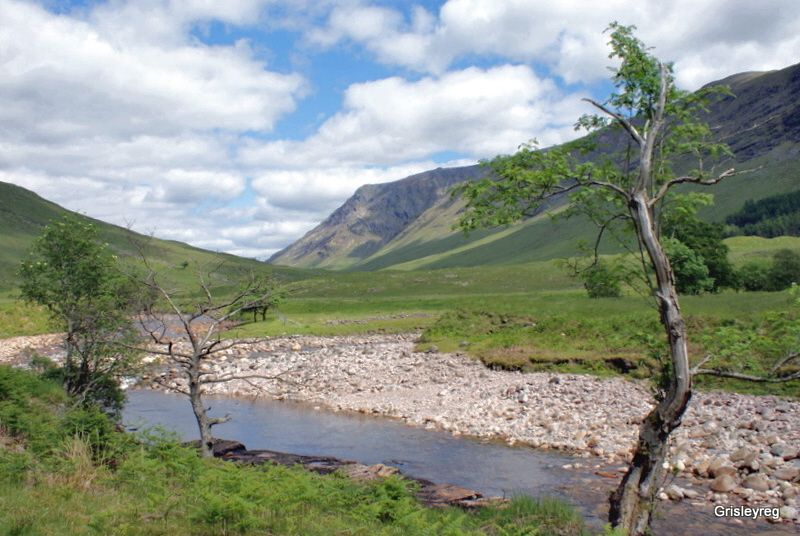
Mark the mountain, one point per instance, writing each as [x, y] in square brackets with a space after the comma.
[408, 224]
[23, 214]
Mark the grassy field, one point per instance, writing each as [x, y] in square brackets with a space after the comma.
[530, 316]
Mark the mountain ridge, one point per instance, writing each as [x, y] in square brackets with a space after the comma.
[760, 122]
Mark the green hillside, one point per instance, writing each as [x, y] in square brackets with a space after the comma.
[23, 214]
[543, 238]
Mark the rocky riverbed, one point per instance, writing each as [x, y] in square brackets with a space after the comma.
[732, 449]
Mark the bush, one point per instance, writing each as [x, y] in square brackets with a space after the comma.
[753, 276]
[601, 281]
[785, 270]
[691, 272]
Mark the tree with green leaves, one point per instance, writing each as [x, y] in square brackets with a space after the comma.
[661, 125]
[785, 270]
[72, 274]
[601, 280]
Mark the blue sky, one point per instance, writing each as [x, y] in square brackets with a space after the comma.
[239, 125]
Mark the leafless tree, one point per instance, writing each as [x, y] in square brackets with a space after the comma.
[187, 333]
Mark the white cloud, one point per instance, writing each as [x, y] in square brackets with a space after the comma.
[119, 112]
[319, 190]
[474, 111]
[707, 39]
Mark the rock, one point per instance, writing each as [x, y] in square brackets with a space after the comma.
[787, 472]
[674, 493]
[758, 482]
[778, 449]
[723, 483]
[742, 454]
[716, 464]
[710, 427]
[724, 470]
[701, 467]
[690, 494]
[788, 512]
[296, 347]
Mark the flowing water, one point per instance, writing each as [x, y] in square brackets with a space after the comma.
[488, 467]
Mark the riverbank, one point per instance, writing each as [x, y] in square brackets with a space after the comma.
[731, 449]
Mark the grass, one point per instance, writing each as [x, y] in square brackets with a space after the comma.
[67, 471]
[18, 318]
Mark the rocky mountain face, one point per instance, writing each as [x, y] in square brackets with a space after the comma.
[372, 217]
[408, 223]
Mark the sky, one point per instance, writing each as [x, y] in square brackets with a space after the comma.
[239, 125]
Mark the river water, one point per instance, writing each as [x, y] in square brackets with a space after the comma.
[491, 468]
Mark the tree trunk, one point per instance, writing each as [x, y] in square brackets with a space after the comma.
[632, 502]
[206, 440]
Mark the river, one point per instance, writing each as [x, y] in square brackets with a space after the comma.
[491, 468]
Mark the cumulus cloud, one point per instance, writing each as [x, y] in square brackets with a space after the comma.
[119, 112]
[475, 112]
[707, 39]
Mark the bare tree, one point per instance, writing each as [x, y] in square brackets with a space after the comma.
[188, 333]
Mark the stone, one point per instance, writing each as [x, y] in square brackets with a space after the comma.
[690, 494]
[787, 472]
[788, 512]
[757, 481]
[701, 467]
[723, 483]
[710, 427]
[742, 455]
[715, 464]
[674, 493]
[778, 449]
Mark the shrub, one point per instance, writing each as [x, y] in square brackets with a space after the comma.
[784, 271]
[601, 281]
[691, 272]
[753, 276]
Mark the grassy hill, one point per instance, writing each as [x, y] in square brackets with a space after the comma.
[23, 214]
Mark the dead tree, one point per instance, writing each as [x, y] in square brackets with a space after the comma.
[188, 334]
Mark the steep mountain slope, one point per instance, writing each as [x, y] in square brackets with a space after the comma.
[24, 213]
[408, 224]
[373, 216]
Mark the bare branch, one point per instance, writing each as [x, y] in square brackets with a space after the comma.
[785, 361]
[770, 378]
[621, 120]
[702, 362]
[168, 387]
[231, 377]
[747, 377]
[694, 180]
[611, 186]
[218, 420]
